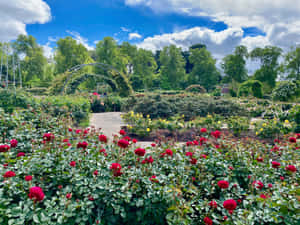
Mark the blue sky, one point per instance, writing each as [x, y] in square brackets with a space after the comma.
[153, 24]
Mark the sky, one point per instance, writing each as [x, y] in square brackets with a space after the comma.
[153, 24]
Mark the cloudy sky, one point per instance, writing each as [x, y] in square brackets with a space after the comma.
[153, 24]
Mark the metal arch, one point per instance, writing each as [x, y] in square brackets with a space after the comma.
[78, 67]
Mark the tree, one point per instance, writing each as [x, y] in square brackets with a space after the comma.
[68, 54]
[108, 52]
[144, 67]
[268, 58]
[204, 70]
[292, 64]
[172, 67]
[34, 62]
[234, 65]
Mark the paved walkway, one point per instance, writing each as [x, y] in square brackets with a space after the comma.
[111, 123]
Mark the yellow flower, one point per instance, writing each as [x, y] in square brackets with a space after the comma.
[182, 115]
[261, 129]
[256, 133]
[286, 121]
[209, 116]
[264, 124]
[219, 122]
[148, 129]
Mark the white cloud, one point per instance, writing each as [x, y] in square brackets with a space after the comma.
[15, 14]
[124, 29]
[132, 36]
[80, 39]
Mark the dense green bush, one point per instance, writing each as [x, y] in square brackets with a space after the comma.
[196, 88]
[37, 91]
[285, 91]
[75, 106]
[11, 99]
[251, 87]
[189, 105]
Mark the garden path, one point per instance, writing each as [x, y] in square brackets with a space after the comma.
[110, 124]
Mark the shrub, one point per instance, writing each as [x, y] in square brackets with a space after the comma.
[38, 91]
[251, 87]
[10, 100]
[285, 91]
[109, 103]
[196, 88]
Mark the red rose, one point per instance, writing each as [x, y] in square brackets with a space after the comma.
[48, 137]
[291, 168]
[122, 132]
[259, 159]
[69, 195]
[203, 156]
[78, 131]
[149, 159]
[91, 198]
[229, 204]
[103, 138]
[275, 164]
[189, 143]
[28, 178]
[86, 131]
[195, 142]
[258, 184]
[216, 134]
[298, 136]
[190, 154]
[66, 140]
[95, 94]
[193, 161]
[153, 144]
[208, 221]
[4, 148]
[292, 140]
[169, 152]
[225, 218]
[83, 145]
[193, 178]
[36, 193]
[13, 143]
[134, 141]
[203, 130]
[60, 186]
[123, 143]
[73, 163]
[153, 179]
[70, 129]
[281, 178]
[202, 140]
[263, 196]
[230, 167]
[115, 166]
[270, 185]
[9, 174]
[95, 172]
[20, 154]
[213, 204]
[277, 141]
[223, 184]
[140, 151]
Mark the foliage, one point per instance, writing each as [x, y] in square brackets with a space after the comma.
[292, 63]
[204, 70]
[196, 88]
[182, 185]
[268, 58]
[37, 90]
[109, 103]
[172, 67]
[238, 124]
[251, 87]
[285, 91]
[235, 65]
[76, 107]
[9, 100]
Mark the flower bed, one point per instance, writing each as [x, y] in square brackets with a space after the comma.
[71, 176]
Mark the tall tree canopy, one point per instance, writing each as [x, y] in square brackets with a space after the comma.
[292, 64]
[69, 53]
[34, 62]
[204, 70]
[234, 65]
[268, 58]
[172, 67]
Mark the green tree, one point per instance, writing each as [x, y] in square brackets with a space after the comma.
[69, 53]
[269, 69]
[34, 62]
[108, 52]
[234, 65]
[144, 66]
[204, 70]
[292, 64]
[172, 67]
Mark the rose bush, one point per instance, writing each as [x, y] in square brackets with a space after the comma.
[211, 180]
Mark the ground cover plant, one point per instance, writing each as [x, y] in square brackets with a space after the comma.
[53, 173]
